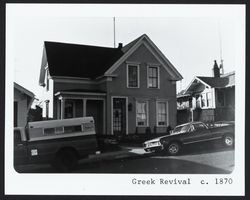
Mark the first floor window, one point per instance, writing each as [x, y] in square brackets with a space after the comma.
[203, 100]
[141, 113]
[162, 113]
[209, 99]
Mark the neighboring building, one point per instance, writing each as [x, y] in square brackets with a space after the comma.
[212, 98]
[23, 99]
[184, 104]
[125, 89]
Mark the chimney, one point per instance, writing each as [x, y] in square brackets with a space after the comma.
[120, 45]
[221, 68]
[216, 70]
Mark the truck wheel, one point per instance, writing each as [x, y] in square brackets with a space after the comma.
[228, 141]
[65, 160]
[173, 148]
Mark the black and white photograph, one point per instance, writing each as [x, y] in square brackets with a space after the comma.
[130, 99]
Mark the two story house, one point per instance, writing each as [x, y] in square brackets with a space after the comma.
[127, 89]
[208, 99]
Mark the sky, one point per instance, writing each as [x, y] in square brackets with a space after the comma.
[191, 37]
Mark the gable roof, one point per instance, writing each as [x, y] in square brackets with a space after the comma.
[23, 90]
[84, 61]
[147, 42]
[226, 80]
[73, 60]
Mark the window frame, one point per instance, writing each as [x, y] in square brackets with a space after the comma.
[158, 75]
[138, 74]
[147, 113]
[167, 113]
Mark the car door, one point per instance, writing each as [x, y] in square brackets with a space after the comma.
[20, 149]
[198, 132]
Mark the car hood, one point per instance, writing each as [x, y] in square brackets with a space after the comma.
[156, 139]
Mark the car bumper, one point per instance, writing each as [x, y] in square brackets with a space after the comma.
[153, 149]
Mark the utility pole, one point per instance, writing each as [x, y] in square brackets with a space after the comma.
[114, 30]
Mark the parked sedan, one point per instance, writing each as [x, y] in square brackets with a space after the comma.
[189, 133]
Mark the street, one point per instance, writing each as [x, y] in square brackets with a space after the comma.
[203, 161]
[209, 163]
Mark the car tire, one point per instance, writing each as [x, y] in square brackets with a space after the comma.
[173, 148]
[65, 160]
[228, 141]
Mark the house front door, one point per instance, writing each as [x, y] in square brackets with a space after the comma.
[119, 116]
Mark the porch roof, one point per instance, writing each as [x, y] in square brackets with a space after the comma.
[81, 92]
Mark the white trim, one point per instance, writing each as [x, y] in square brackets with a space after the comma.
[132, 63]
[24, 90]
[175, 74]
[158, 74]
[213, 98]
[196, 78]
[147, 112]
[64, 79]
[80, 93]
[166, 67]
[138, 75]
[124, 97]
[167, 113]
[203, 82]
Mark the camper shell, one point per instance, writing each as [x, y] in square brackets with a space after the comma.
[58, 142]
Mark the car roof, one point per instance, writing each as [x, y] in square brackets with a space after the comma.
[189, 123]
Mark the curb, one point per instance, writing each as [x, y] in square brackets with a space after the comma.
[110, 156]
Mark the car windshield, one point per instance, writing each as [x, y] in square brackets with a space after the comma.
[181, 129]
[199, 126]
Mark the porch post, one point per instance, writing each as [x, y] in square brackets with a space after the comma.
[84, 107]
[62, 108]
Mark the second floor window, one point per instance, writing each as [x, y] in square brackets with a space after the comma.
[153, 77]
[133, 76]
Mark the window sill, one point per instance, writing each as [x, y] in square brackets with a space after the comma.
[153, 88]
[161, 126]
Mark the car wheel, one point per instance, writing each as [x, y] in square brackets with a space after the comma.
[228, 141]
[65, 160]
[173, 148]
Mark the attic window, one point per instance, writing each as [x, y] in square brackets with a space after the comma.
[132, 76]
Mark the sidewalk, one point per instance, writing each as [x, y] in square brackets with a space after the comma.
[124, 152]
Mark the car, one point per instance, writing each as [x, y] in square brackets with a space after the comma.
[190, 133]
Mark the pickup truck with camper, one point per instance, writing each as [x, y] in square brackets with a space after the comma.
[60, 143]
[191, 133]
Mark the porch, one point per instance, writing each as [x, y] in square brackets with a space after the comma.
[72, 104]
